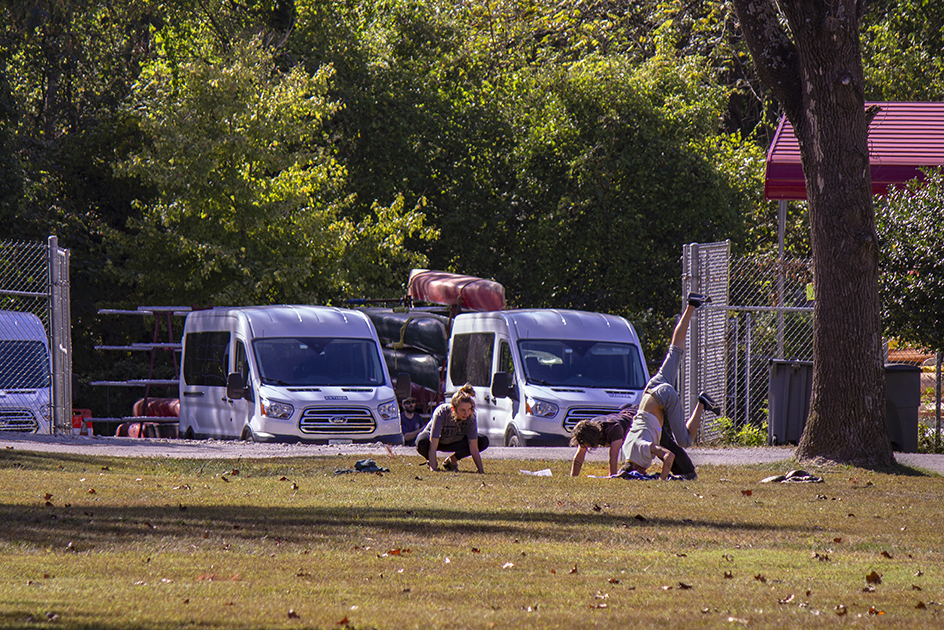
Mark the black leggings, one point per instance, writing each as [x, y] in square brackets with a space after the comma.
[683, 463]
[460, 448]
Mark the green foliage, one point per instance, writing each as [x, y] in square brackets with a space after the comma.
[903, 50]
[912, 241]
[745, 434]
[248, 196]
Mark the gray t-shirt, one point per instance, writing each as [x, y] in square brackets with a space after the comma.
[444, 426]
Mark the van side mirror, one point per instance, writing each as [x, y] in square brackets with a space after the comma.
[235, 386]
[501, 386]
[403, 387]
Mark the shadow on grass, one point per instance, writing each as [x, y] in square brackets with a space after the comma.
[84, 525]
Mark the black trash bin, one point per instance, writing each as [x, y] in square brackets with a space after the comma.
[902, 399]
[788, 400]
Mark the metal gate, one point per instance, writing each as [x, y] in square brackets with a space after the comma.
[760, 310]
[35, 337]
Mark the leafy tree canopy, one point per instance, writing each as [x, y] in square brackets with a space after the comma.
[912, 261]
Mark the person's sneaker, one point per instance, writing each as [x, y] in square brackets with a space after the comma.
[709, 403]
[697, 299]
[449, 466]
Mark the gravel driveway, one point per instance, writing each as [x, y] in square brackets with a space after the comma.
[216, 449]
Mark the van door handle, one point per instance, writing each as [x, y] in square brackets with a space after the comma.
[488, 398]
[193, 394]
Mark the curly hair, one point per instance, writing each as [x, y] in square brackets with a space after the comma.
[588, 433]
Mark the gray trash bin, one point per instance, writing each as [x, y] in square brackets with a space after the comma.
[902, 399]
[788, 400]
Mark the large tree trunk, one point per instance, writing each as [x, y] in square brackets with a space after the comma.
[817, 77]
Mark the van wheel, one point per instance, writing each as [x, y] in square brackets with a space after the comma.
[247, 435]
[513, 439]
[188, 434]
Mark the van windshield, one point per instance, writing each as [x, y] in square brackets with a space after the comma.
[23, 364]
[582, 363]
[299, 361]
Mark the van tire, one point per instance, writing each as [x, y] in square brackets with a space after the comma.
[247, 435]
[512, 438]
[188, 434]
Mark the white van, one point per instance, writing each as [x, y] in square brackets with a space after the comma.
[24, 373]
[538, 372]
[285, 374]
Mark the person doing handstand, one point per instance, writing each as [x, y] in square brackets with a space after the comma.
[660, 403]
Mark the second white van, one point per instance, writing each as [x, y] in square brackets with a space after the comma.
[538, 372]
[285, 374]
[24, 373]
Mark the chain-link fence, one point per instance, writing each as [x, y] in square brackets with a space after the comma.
[761, 311]
[35, 338]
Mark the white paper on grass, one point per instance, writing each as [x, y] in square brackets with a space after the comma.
[537, 473]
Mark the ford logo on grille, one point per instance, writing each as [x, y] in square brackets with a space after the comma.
[338, 420]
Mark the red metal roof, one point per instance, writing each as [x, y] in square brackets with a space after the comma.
[902, 138]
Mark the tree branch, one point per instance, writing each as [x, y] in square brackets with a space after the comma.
[774, 54]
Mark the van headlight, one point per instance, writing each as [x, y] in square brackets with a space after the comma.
[540, 408]
[389, 411]
[278, 410]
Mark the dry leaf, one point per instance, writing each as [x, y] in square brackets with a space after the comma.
[873, 578]
[292, 614]
[343, 622]
[508, 565]
[915, 587]
[91, 491]
[875, 611]
[597, 508]
[574, 570]
[283, 478]
[728, 575]
[684, 587]
[613, 581]
[294, 486]
[747, 493]
[837, 540]
[885, 554]
[640, 518]
[919, 573]
[599, 606]
[223, 477]
[920, 606]
[234, 473]
[760, 578]
[786, 600]
[48, 497]
[474, 550]
[841, 610]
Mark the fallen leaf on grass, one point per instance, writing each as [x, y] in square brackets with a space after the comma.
[613, 581]
[915, 587]
[234, 473]
[599, 595]
[474, 550]
[837, 540]
[822, 557]
[760, 578]
[841, 610]
[343, 622]
[48, 497]
[508, 565]
[873, 578]
[875, 611]
[599, 605]
[283, 478]
[292, 614]
[684, 587]
[640, 518]
[885, 554]
[747, 493]
[921, 606]
[91, 491]
[728, 575]
[574, 570]
[223, 477]
[918, 573]
[786, 600]
[394, 552]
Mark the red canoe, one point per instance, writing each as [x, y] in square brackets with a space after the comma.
[452, 289]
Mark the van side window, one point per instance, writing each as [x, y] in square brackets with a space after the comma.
[505, 362]
[472, 359]
[242, 367]
[206, 358]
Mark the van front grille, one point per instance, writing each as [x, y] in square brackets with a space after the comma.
[17, 420]
[336, 420]
[577, 414]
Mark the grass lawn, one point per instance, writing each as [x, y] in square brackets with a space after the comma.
[159, 543]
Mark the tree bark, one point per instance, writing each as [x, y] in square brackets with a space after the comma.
[815, 73]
